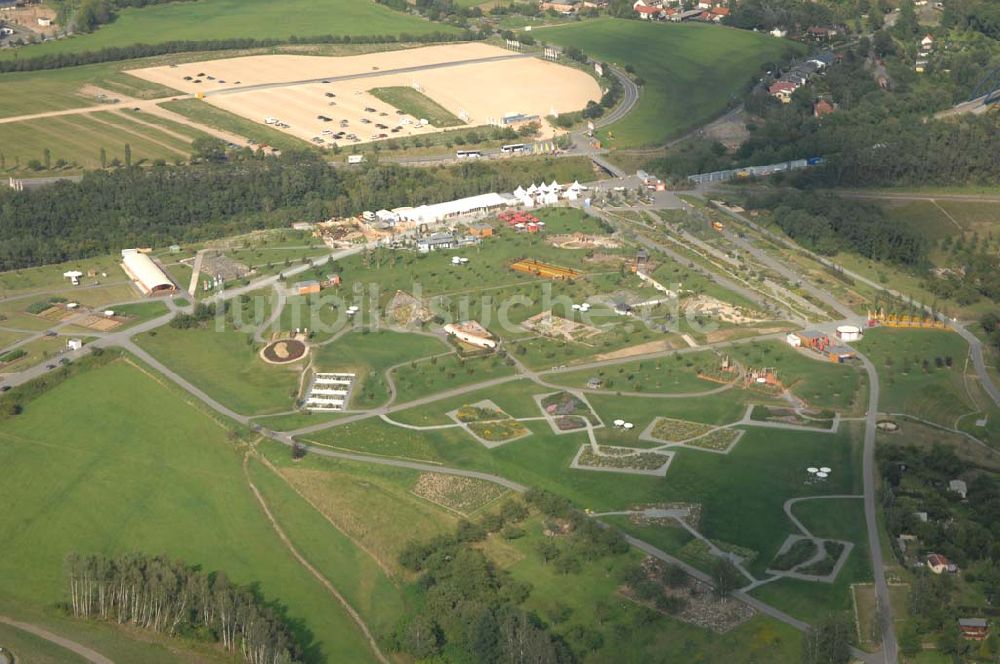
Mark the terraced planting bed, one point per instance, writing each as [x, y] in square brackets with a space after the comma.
[621, 458]
[669, 430]
[498, 430]
[719, 440]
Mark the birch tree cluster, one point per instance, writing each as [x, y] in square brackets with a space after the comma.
[173, 598]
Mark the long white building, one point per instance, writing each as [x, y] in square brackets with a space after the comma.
[429, 214]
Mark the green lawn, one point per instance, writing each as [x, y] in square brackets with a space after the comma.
[833, 519]
[225, 19]
[353, 572]
[667, 375]
[691, 71]
[821, 384]
[418, 379]
[113, 461]
[910, 379]
[742, 492]
[226, 365]
[35, 649]
[418, 105]
[369, 354]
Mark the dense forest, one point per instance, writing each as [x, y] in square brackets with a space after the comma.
[173, 598]
[164, 204]
[828, 224]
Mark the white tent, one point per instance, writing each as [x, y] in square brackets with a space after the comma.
[554, 186]
[520, 192]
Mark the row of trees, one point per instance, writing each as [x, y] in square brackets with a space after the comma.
[173, 598]
[108, 210]
[118, 53]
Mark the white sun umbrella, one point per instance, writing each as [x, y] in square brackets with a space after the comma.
[628, 425]
[825, 469]
[577, 307]
[812, 470]
[822, 475]
[619, 423]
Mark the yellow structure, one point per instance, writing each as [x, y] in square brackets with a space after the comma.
[545, 270]
[906, 321]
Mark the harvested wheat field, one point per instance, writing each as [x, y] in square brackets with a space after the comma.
[475, 82]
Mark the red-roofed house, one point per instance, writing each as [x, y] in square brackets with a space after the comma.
[938, 563]
[782, 90]
[719, 13]
[646, 12]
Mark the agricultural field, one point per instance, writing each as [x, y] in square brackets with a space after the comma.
[226, 19]
[137, 468]
[72, 87]
[691, 71]
[75, 142]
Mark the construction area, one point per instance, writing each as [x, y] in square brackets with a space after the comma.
[316, 97]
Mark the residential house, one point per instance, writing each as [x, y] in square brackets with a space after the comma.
[927, 43]
[783, 90]
[779, 32]
[975, 629]
[719, 13]
[938, 564]
[959, 487]
[646, 13]
[821, 33]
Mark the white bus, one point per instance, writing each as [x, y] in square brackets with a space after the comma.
[468, 154]
[514, 148]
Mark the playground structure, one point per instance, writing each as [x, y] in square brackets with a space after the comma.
[879, 317]
[764, 377]
[544, 270]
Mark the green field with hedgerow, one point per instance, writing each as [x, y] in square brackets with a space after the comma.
[691, 72]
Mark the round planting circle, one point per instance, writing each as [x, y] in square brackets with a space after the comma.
[284, 351]
[887, 425]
